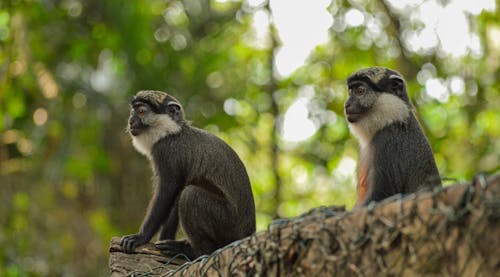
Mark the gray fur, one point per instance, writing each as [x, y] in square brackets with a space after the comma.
[200, 183]
[154, 96]
[395, 155]
[375, 74]
[385, 109]
[162, 125]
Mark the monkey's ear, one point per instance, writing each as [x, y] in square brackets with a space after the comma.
[397, 84]
[174, 107]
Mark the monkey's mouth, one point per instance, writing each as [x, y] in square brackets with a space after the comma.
[135, 131]
[136, 128]
[353, 117]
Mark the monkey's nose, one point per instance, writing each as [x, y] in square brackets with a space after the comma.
[133, 122]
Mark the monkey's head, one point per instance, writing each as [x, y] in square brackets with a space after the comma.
[366, 86]
[154, 110]
[377, 98]
[153, 115]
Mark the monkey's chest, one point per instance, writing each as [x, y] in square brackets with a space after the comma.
[364, 175]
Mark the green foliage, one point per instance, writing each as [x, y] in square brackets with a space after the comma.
[69, 178]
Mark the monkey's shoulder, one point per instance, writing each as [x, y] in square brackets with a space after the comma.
[206, 138]
[399, 139]
[209, 156]
[194, 141]
[400, 131]
[404, 148]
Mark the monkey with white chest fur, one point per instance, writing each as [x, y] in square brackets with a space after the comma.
[199, 181]
[395, 156]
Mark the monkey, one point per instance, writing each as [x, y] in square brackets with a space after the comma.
[200, 183]
[395, 156]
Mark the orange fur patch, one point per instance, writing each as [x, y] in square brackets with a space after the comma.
[362, 187]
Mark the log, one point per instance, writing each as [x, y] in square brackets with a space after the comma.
[448, 231]
[146, 261]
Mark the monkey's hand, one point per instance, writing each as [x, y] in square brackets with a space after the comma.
[130, 242]
[175, 247]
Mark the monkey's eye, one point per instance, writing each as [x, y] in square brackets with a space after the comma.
[359, 91]
[141, 111]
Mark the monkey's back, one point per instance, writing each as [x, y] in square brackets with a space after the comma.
[212, 162]
[410, 164]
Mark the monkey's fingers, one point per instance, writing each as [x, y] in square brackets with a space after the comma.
[127, 244]
[130, 242]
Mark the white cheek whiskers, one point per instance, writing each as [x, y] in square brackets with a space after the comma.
[160, 126]
[386, 110]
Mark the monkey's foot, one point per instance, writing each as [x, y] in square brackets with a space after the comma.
[175, 247]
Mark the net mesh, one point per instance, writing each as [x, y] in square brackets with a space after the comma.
[447, 232]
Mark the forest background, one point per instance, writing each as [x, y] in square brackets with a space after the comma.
[268, 78]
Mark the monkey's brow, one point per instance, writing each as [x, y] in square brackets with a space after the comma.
[363, 80]
[139, 101]
[356, 83]
[144, 102]
[132, 100]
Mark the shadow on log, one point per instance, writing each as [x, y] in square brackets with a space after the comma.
[451, 231]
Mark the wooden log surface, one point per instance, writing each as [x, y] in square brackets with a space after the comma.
[451, 231]
[146, 259]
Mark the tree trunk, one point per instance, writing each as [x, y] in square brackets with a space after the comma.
[451, 231]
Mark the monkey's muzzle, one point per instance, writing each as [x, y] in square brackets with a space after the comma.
[353, 117]
[135, 132]
[352, 112]
[136, 127]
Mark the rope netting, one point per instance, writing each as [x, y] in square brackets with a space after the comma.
[446, 232]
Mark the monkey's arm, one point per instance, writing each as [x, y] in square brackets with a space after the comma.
[158, 210]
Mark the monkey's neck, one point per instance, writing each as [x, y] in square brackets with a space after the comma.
[386, 110]
[145, 142]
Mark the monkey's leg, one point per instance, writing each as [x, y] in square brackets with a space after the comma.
[207, 220]
[166, 241]
[169, 229]
[175, 247]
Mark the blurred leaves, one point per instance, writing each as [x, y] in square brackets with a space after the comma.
[70, 179]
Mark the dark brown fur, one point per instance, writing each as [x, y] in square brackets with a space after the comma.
[200, 183]
[395, 156]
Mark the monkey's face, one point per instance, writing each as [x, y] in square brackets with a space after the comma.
[367, 85]
[377, 98]
[141, 118]
[153, 116]
[360, 101]
[154, 111]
